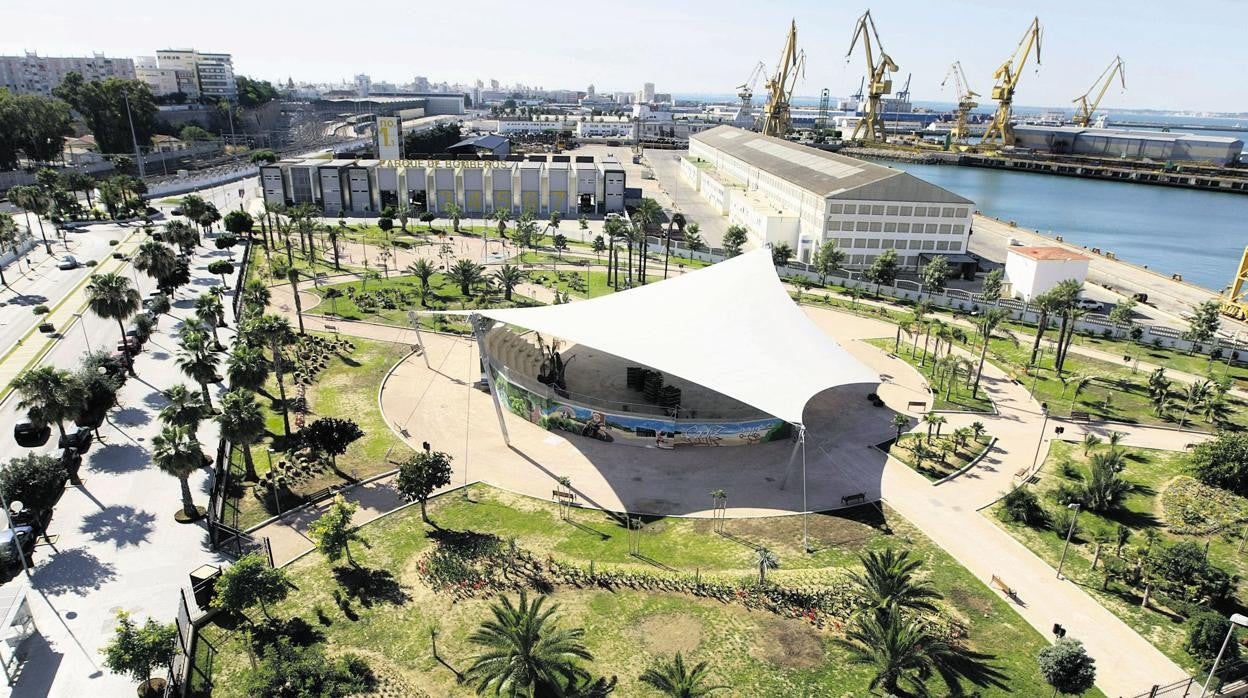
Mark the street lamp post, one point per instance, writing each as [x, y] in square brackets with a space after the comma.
[1236, 619]
[83, 326]
[1044, 409]
[1069, 533]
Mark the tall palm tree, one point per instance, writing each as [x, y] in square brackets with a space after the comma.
[888, 582]
[901, 422]
[292, 275]
[185, 409]
[110, 296]
[646, 215]
[8, 238]
[465, 272]
[155, 259]
[275, 332]
[199, 363]
[179, 454]
[453, 212]
[673, 679]
[1045, 304]
[209, 309]
[256, 295]
[247, 367]
[50, 395]
[901, 652]
[508, 276]
[242, 423]
[31, 198]
[987, 324]
[525, 654]
[678, 221]
[423, 270]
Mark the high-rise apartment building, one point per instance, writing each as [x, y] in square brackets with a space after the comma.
[647, 92]
[34, 74]
[363, 85]
[166, 81]
[213, 72]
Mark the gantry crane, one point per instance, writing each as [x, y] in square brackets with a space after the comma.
[821, 119]
[879, 79]
[1000, 129]
[1085, 111]
[777, 116]
[1235, 302]
[966, 101]
[746, 89]
[903, 95]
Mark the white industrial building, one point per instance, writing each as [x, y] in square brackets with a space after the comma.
[781, 191]
[537, 183]
[1031, 271]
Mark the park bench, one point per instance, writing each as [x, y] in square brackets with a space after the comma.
[1005, 588]
[854, 498]
[331, 328]
[920, 404]
[1079, 416]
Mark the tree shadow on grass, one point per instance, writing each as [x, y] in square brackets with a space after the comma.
[1132, 519]
[371, 586]
[297, 630]
[974, 667]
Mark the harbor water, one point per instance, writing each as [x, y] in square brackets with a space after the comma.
[1198, 234]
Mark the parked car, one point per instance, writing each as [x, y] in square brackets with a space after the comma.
[79, 439]
[176, 212]
[27, 434]
[19, 539]
[1089, 304]
[67, 262]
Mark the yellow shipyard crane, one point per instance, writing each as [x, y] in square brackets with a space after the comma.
[1085, 112]
[999, 129]
[777, 117]
[966, 101]
[880, 68]
[1235, 302]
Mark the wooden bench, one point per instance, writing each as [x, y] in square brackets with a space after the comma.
[1005, 588]
[1021, 472]
[331, 328]
[1079, 416]
[916, 403]
[854, 498]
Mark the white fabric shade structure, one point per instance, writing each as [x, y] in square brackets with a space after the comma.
[730, 327]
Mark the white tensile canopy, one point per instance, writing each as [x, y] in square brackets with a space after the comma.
[730, 327]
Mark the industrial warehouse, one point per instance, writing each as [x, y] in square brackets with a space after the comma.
[784, 192]
[538, 184]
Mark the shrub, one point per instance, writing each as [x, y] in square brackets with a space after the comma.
[1070, 471]
[1223, 462]
[289, 670]
[1066, 666]
[1192, 508]
[1184, 572]
[114, 243]
[40, 310]
[1068, 493]
[1061, 521]
[1205, 635]
[90, 263]
[1021, 505]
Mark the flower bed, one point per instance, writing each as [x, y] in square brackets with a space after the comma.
[1190, 507]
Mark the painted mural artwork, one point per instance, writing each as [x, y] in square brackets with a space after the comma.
[633, 429]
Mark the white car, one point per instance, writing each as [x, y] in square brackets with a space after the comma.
[67, 262]
[1092, 305]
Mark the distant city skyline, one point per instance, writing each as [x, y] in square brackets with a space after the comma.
[1184, 63]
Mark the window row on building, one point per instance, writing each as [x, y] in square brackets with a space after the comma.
[891, 244]
[898, 210]
[893, 227]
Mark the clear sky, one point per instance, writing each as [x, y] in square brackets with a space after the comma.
[1182, 56]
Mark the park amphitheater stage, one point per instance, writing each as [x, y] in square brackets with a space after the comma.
[742, 387]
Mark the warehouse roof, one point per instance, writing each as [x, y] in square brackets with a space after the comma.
[825, 174]
[490, 140]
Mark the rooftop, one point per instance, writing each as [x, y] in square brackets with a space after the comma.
[1049, 254]
[825, 174]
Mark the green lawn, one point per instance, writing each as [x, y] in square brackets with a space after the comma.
[347, 388]
[953, 395]
[594, 283]
[944, 462]
[405, 296]
[1150, 471]
[755, 652]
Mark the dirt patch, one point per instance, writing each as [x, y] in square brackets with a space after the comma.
[968, 603]
[667, 634]
[789, 643]
[391, 681]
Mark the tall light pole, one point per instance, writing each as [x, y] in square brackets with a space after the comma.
[138, 156]
[1044, 409]
[1069, 533]
[1236, 619]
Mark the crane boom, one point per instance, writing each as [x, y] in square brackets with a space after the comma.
[1007, 76]
[1085, 111]
[777, 117]
[880, 68]
[966, 101]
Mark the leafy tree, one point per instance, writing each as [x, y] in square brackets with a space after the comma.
[36, 480]
[103, 106]
[254, 93]
[1204, 323]
[673, 679]
[137, 651]
[193, 132]
[249, 582]
[888, 582]
[993, 280]
[781, 253]
[900, 652]
[31, 125]
[828, 259]
[331, 435]
[935, 275]
[560, 242]
[100, 376]
[431, 141]
[222, 268]
[1020, 505]
[239, 222]
[883, 269]
[508, 276]
[184, 409]
[1183, 570]
[31, 199]
[179, 454]
[1205, 635]
[1222, 462]
[110, 297]
[242, 423]
[50, 395]
[263, 157]
[466, 273]
[428, 217]
[333, 532]
[734, 239]
[421, 474]
[286, 669]
[524, 652]
[1066, 666]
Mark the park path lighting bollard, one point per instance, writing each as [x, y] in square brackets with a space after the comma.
[1069, 533]
[1236, 619]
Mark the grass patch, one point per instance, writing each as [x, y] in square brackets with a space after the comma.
[754, 652]
[947, 394]
[388, 300]
[945, 457]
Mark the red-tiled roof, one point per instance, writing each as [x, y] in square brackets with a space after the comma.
[1049, 253]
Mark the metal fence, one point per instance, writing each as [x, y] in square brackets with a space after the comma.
[1229, 681]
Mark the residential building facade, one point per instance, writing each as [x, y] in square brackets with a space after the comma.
[39, 75]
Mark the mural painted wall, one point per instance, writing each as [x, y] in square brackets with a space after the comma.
[633, 429]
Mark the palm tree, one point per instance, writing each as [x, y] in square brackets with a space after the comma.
[465, 272]
[181, 234]
[31, 198]
[978, 429]
[901, 652]
[423, 270]
[109, 296]
[242, 424]
[452, 211]
[933, 420]
[155, 259]
[50, 394]
[199, 364]
[208, 308]
[178, 453]
[275, 331]
[292, 275]
[672, 679]
[247, 367]
[1090, 441]
[888, 582]
[765, 559]
[987, 323]
[1080, 382]
[256, 295]
[1194, 395]
[508, 276]
[901, 422]
[185, 409]
[1046, 304]
[646, 215]
[502, 215]
[525, 654]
